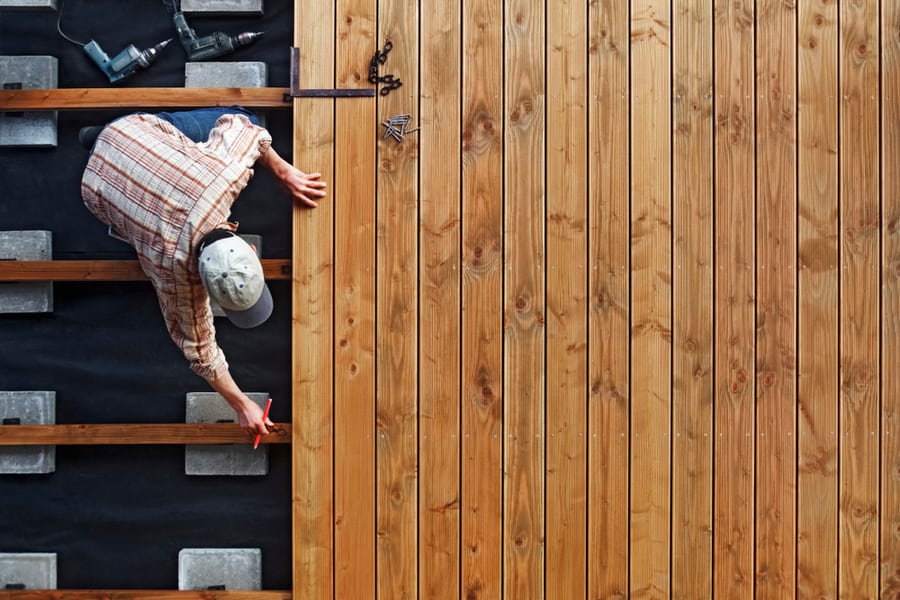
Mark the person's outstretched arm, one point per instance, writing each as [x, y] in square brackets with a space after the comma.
[305, 188]
[249, 413]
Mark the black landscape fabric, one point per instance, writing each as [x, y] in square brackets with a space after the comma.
[117, 516]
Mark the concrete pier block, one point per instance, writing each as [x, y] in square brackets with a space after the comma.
[26, 296]
[213, 568]
[27, 4]
[244, 74]
[36, 128]
[29, 571]
[222, 459]
[242, 7]
[27, 408]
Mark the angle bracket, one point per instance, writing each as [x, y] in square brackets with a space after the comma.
[296, 92]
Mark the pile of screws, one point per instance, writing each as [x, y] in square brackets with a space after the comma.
[396, 127]
[388, 82]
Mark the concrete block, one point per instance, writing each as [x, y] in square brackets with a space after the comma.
[36, 128]
[246, 74]
[243, 7]
[32, 571]
[27, 408]
[27, 4]
[222, 459]
[212, 568]
[253, 239]
[26, 296]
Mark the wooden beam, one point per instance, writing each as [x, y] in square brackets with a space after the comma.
[143, 595]
[83, 98]
[134, 434]
[103, 270]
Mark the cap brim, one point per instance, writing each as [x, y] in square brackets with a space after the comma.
[253, 316]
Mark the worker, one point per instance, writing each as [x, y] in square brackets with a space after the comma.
[165, 183]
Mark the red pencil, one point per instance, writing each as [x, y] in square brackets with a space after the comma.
[265, 416]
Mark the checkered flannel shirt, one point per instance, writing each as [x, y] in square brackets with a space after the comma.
[161, 193]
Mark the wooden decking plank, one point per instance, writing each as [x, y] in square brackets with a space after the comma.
[482, 297]
[651, 292]
[859, 315]
[890, 330]
[313, 310]
[817, 324]
[440, 303]
[354, 308]
[524, 299]
[692, 323]
[609, 313]
[154, 97]
[104, 270]
[733, 510]
[776, 318]
[567, 326]
[134, 434]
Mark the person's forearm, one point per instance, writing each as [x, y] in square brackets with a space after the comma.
[225, 385]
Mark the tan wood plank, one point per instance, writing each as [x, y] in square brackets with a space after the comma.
[890, 394]
[651, 291]
[396, 312]
[440, 301]
[776, 319]
[524, 299]
[85, 98]
[103, 270]
[135, 434]
[859, 300]
[354, 305]
[609, 312]
[143, 595]
[817, 324]
[692, 322]
[733, 514]
[482, 298]
[566, 276]
[313, 313]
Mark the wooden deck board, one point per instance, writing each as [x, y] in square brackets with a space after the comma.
[135, 434]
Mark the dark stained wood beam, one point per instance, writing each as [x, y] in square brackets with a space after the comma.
[103, 270]
[92, 98]
[135, 434]
[143, 595]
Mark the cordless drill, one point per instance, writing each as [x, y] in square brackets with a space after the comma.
[125, 63]
[210, 46]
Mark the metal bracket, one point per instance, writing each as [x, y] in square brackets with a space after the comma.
[296, 92]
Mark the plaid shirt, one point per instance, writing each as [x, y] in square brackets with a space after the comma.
[161, 193]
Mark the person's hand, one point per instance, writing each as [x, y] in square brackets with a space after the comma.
[250, 417]
[306, 188]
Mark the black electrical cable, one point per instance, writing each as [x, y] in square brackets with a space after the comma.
[59, 29]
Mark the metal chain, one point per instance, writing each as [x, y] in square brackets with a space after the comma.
[388, 81]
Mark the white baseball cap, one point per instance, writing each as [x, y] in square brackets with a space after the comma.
[233, 277]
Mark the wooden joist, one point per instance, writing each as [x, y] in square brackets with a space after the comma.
[135, 434]
[88, 98]
[143, 595]
[103, 270]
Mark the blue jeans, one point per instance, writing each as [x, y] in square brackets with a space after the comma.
[196, 124]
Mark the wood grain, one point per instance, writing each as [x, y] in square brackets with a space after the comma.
[733, 510]
[312, 329]
[440, 302]
[179, 97]
[859, 300]
[692, 318]
[567, 291]
[817, 319]
[609, 305]
[104, 270]
[482, 301]
[397, 303]
[776, 319]
[135, 434]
